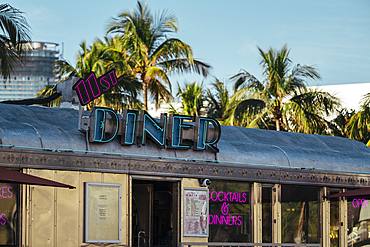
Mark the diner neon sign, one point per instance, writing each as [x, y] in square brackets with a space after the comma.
[226, 197]
[165, 132]
[5, 192]
[133, 129]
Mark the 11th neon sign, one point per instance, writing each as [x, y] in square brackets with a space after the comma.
[92, 87]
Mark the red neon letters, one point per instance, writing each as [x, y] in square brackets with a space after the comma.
[92, 87]
[5, 192]
[227, 196]
[2, 217]
[362, 202]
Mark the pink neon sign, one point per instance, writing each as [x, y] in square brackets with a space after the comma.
[226, 197]
[5, 192]
[92, 87]
[362, 202]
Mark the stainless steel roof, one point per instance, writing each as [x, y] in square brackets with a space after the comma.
[53, 128]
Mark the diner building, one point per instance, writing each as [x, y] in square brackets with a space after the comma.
[137, 189]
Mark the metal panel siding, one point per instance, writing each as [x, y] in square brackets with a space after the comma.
[42, 211]
[67, 210]
[57, 214]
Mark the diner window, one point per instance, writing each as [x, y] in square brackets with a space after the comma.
[300, 214]
[358, 221]
[334, 218]
[8, 214]
[229, 212]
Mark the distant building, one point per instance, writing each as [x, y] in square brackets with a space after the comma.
[35, 72]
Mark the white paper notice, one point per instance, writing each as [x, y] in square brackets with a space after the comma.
[196, 212]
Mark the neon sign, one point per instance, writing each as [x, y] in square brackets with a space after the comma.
[105, 125]
[228, 196]
[135, 130]
[5, 193]
[92, 87]
[362, 202]
[225, 197]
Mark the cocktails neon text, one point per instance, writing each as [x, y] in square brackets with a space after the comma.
[227, 196]
[357, 202]
[5, 192]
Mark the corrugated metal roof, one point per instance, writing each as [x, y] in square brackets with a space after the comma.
[53, 128]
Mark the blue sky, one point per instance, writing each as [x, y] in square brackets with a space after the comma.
[333, 36]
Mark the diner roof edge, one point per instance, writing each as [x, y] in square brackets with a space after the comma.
[56, 129]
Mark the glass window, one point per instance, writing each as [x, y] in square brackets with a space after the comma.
[8, 214]
[299, 214]
[229, 212]
[334, 219]
[267, 214]
[358, 216]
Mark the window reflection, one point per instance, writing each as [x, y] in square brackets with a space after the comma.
[8, 213]
[358, 223]
[334, 219]
[299, 214]
[266, 215]
[229, 219]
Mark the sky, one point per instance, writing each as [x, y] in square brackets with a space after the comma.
[332, 35]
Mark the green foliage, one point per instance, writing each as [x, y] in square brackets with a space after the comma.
[358, 126]
[281, 98]
[218, 100]
[46, 92]
[153, 55]
[192, 99]
[99, 58]
[15, 37]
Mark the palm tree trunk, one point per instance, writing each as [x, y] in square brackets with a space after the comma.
[145, 95]
[277, 121]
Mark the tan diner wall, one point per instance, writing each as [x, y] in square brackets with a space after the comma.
[55, 216]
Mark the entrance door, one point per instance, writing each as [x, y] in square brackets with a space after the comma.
[155, 211]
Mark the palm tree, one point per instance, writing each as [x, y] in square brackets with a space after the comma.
[154, 55]
[358, 126]
[15, 38]
[100, 57]
[281, 97]
[192, 99]
[217, 100]
[47, 91]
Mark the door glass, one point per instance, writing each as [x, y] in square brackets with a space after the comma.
[141, 213]
[154, 213]
[299, 214]
[334, 219]
[358, 212]
[266, 215]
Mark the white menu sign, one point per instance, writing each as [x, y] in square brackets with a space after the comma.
[196, 208]
[103, 213]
